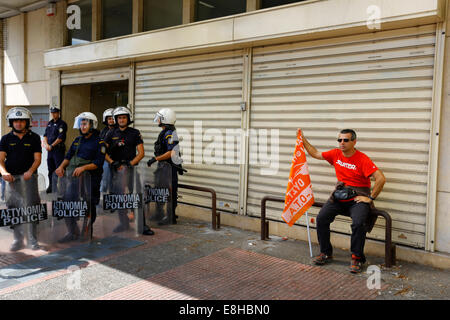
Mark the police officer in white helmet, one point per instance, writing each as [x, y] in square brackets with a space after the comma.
[125, 148]
[87, 153]
[167, 149]
[20, 154]
[110, 124]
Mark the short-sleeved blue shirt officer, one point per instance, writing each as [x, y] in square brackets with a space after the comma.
[54, 139]
[122, 143]
[92, 148]
[85, 151]
[20, 152]
[167, 149]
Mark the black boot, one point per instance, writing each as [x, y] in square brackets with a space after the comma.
[147, 231]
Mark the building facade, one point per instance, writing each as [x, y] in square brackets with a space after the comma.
[242, 76]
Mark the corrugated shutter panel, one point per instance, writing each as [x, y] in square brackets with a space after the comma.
[207, 89]
[93, 76]
[378, 84]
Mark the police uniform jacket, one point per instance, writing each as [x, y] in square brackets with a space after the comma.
[92, 148]
[122, 144]
[20, 152]
[56, 129]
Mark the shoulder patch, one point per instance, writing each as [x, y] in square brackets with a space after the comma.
[103, 149]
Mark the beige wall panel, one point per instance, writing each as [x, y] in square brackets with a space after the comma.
[91, 76]
[36, 36]
[35, 67]
[26, 94]
[318, 15]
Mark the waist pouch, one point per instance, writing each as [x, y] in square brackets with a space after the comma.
[344, 193]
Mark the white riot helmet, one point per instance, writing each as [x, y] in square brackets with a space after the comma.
[86, 116]
[123, 110]
[19, 113]
[165, 116]
[106, 114]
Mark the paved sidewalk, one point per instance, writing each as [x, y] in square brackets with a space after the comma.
[191, 261]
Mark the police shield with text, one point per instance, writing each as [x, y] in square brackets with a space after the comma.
[20, 157]
[54, 138]
[125, 151]
[86, 154]
[167, 151]
[71, 204]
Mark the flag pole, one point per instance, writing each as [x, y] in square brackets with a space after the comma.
[309, 235]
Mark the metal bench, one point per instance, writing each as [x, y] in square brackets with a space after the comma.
[390, 249]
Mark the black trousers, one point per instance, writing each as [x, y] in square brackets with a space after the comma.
[54, 159]
[358, 212]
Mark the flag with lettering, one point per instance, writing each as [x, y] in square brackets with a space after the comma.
[299, 194]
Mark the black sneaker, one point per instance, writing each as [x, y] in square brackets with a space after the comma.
[322, 258]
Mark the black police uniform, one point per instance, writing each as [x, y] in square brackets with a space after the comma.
[166, 142]
[20, 152]
[84, 151]
[55, 129]
[19, 159]
[122, 149]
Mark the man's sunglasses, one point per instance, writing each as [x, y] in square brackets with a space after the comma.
[345, 140]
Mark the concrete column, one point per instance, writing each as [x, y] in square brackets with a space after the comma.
[188, 11]
[253, 5]
[138, 16]
[97, 32]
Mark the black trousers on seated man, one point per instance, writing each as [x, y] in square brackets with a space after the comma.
[358, 212]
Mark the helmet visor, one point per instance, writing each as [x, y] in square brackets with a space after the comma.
[82, 123]
[158, 118]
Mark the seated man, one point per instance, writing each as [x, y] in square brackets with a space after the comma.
[352, 196]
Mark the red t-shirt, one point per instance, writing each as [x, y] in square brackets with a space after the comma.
[354, 171]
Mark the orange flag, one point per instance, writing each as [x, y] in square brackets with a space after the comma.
[299, 195]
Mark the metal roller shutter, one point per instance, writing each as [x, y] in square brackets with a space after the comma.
[205, 92]
[94, 76]
[379, 84]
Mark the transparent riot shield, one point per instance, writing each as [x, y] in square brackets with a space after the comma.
[21, 212]
[121, 205]
[158, 199]
[72, 211]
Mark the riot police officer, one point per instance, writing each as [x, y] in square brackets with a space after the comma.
[125, 148]
[167, 149]
[20, 154]
[108, 121]
[87, 153]
[54, 138]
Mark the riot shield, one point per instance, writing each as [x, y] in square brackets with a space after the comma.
[121, 205]
[73, 211]
[158, 199]
[21, 212]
